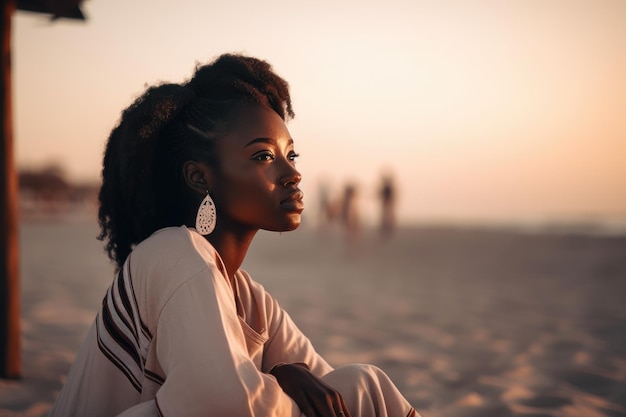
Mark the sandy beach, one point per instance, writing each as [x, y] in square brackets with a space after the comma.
[467, 322]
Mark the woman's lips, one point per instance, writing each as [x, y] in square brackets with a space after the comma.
[293, 202]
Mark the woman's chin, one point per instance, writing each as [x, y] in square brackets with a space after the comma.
[292, 224]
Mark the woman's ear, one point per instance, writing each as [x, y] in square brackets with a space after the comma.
[198, 176]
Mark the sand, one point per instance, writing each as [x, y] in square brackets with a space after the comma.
[467, 322]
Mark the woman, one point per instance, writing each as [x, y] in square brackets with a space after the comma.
[190, 174]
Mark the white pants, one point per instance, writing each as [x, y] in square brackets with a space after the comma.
[368, 392]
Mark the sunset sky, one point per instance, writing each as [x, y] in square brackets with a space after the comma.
[484, 111]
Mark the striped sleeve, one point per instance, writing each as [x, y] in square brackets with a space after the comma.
[122, 336]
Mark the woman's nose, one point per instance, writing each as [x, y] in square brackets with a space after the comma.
[292, 176]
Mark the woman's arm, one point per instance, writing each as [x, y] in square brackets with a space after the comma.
[291, 358]
[287, 343]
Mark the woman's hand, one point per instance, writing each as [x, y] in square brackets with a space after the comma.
[314, 397]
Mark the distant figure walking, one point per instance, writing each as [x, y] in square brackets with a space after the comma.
[350, 217]
[387, 196]
[325, 214]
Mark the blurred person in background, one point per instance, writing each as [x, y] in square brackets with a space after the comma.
[190, 174]
[326, 210]
[387, 195]
[350, 216]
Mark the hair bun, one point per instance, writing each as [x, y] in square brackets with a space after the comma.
[159, 106]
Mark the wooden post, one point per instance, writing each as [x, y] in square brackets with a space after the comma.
[10, 355]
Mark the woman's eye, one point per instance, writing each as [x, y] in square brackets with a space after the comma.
[264, 156]
[293, 156]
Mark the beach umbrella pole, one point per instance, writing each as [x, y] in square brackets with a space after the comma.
[10, 361]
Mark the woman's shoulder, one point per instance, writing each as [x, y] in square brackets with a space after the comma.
[166, 234]
[174, 243]
[170, 259]
[172, 254]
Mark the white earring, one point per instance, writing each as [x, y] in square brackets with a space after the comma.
[205, 219]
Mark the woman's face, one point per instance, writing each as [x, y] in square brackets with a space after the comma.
[256, 183]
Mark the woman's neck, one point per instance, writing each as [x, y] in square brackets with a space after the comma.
[232, 248]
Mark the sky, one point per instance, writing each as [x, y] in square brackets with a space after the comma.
[483, 110]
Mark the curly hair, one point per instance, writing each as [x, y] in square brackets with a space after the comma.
[142, 183]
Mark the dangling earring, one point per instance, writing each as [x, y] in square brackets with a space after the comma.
[205, 219]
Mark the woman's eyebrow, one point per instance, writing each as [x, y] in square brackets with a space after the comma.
[265, 140]
[259, 140]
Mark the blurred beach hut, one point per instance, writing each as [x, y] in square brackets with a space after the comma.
[69, 9]
[10, 358]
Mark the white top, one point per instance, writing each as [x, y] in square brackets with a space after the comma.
[177, 336]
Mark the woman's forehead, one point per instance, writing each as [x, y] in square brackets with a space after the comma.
[253, 122]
